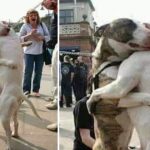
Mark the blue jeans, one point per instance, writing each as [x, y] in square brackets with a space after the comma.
[32, 62]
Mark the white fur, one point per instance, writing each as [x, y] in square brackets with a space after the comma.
[140, 35]
[133, 72]
[11, 69]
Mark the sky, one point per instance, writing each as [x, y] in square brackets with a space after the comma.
[108, 10]
[105, 10]
[13, 10]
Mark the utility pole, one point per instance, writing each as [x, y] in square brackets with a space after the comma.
[75, 10]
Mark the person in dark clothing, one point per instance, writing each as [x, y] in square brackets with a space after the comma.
[84, 126]
[80, 79]
[67, 73]
[53, 32]
[52, 5]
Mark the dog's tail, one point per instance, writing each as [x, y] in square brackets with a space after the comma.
[31, 105]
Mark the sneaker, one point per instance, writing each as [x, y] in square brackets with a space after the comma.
[27, 93]
[36, 94]
[52, 127]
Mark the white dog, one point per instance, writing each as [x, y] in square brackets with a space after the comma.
[11, 69]
[134, 72]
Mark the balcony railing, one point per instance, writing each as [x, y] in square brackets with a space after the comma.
[69, 29]
[76, 29]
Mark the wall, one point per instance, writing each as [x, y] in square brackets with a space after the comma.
[81, 9]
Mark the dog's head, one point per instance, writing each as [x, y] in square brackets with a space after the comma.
[4, 28]
[120, 39]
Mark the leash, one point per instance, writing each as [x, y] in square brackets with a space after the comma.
[95, 79]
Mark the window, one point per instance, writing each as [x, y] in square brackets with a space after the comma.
[66, 16]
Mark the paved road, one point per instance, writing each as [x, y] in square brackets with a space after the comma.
[66, 135]
[67, 130]
[32, 131]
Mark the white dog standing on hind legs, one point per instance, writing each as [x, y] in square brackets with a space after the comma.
[134, 72]
[137, 103]
[11, 69]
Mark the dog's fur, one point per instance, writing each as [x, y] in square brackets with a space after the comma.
[11, 69]
[119, 40]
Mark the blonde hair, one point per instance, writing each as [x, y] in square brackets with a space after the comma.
[32, 11]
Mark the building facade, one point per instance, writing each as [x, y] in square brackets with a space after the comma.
[77, 26]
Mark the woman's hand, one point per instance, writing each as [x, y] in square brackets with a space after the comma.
[38, 38]
[33, 32]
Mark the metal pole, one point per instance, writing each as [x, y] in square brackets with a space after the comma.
[75, 10]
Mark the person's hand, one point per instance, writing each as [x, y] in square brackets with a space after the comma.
[38, 37]
[50, 4]
[33, 32]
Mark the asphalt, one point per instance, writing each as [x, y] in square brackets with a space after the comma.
[66, 129]
[33, 134]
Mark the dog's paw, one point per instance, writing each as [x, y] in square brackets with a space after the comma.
[15, 135]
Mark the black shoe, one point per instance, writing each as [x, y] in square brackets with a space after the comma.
[68, 105]
[61, 104]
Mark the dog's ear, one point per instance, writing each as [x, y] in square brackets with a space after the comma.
[101, 30]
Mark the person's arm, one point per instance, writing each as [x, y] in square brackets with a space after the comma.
[72, 76]
[50, 4]
[72, 72]
[85, 123]
[24, 35]
[86, 138]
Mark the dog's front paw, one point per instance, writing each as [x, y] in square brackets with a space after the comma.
[15, 135]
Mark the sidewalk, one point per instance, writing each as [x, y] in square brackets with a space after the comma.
[32, 131]
[66, 129]
[66, 136]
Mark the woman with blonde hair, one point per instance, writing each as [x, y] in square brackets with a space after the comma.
[32, 30]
